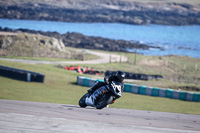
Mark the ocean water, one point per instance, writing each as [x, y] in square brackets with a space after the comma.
[176, 40]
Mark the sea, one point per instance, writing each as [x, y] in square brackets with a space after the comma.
[175, 40]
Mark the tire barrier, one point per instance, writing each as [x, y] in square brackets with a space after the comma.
[136, 76]
[20, 74]
[149, 91]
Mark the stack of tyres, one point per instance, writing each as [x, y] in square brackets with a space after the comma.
[19, 74]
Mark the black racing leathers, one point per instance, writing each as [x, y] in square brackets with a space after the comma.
[106, 81]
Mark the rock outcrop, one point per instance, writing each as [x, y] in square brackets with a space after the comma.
[31, 45]
[78, 40]
[7, 41]
[107, 11]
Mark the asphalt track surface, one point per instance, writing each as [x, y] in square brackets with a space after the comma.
[35, 117]
[32, 117]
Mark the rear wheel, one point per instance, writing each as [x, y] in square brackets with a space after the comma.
[82, 101]
[104, 101]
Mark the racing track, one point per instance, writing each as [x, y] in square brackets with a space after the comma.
[103, 58]
[23, 116]
[32, 117]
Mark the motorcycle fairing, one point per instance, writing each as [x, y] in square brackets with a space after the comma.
[116, 88]
[89, 100]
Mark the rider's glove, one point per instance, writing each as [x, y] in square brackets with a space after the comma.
[106, 80]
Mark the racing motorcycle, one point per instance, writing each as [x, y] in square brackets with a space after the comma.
[103, 96]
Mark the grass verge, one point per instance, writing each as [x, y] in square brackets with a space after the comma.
[60, 87]
[179, 72]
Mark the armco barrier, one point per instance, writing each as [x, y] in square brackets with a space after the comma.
[176, 94]
[182, 95]
[189, 96]
[149, 91]
[196, 97]
[162, 92]
[134, 88]
[80, 80]
[20, 74]
[143, 90]
[92, 82]
[127, 87]
[86, 82]
[169, 93]
[155, 92]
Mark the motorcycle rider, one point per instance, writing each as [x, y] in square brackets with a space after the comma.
[118, 77]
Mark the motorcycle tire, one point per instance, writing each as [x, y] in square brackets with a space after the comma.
[82, 103]
[107, 100]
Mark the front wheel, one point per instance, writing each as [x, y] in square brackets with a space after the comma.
[82, 101]
[104, 102]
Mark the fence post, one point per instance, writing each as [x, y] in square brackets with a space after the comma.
[196, 67]
[120, 60]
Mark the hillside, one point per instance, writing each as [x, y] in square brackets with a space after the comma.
[166, 12]
[33, 45]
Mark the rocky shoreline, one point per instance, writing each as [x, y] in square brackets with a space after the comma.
[106, 11]
[78, 40]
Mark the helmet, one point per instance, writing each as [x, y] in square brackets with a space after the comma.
[120, 76]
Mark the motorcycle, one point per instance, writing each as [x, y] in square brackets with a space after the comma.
[103, 96]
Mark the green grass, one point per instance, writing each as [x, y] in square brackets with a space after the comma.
[37, 58]
[60, 87]
[75, 51]
[179, 72]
